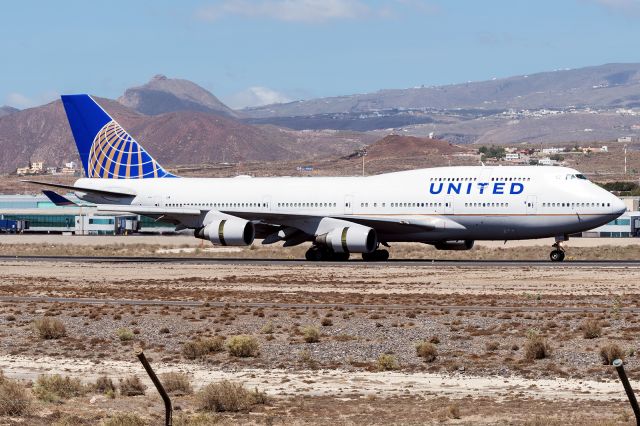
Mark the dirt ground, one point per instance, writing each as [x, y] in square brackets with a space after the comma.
[480, 318]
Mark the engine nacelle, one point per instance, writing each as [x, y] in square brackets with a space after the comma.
[350, 239]
[454, 245]
[228, 232]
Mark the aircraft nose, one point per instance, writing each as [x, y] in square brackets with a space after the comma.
[618, 206]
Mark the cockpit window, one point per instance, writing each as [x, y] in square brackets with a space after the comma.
[576, 176]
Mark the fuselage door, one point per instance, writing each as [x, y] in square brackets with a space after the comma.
[531, 204]
[448, 205]
[348, 204]
[266, 204]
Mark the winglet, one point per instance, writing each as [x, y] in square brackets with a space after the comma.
[58, 199]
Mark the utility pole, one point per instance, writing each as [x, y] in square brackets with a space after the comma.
[625, 159]
[364, 154]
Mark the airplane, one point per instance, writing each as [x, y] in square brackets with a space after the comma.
[447, 207]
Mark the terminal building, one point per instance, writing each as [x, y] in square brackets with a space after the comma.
[37, 214]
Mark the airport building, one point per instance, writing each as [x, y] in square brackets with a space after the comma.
[37, 214]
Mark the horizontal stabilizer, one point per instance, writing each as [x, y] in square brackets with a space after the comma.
[109, 193]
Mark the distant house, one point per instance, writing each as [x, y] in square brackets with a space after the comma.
[624, 139]
[552, 150]
[23, 170]
[512, 156]
[547, 162]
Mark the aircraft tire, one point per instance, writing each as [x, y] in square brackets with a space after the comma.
[556, 256]
[376, 256]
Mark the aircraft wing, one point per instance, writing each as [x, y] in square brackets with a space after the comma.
[388, 224]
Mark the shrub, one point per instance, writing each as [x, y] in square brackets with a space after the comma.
[124, 334]
[201, 347]
[50, 328]
[104, 385]
[14, 398]
[56, 388]
[492, 346]
[228, 396]
[176, 383]
[267, 328]
[200, 419]
[611, 352]
[131, 386]
[536, 347]
[427, 351]
[387, 362]
[125, 419]
[591, 329]
[243, 346]
[311, 334]
[326, 322]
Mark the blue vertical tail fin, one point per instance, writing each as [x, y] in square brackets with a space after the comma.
[107, 151]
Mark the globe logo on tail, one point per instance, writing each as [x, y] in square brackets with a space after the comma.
[115, 154]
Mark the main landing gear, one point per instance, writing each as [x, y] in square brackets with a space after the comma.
[557, 254]
[323, 254]
[376, 256]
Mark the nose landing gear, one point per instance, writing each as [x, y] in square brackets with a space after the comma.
[557, 254]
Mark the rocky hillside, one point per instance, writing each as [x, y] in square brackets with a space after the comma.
[181, 137]
[161, 95]
[610, 85]
[6, 110]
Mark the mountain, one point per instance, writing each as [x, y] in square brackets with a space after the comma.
[604, 86]
[6, 110]
[174, 138]
[162, 94]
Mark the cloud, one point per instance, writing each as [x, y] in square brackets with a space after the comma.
[256, 96]
[315, 11]
[619, 6]
[21, 101]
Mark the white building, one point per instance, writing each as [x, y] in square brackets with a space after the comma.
[546, 161]
[551, 150]
[624, 139]
[511, 156]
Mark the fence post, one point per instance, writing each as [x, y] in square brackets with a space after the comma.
[618, 364]
[168, 419]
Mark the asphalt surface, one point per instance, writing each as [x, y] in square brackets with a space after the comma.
[350, 263]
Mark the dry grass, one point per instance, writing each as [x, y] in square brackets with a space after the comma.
[200, 419]
[243, 346]
[387, 362]
[591, 329]
[125, 419]
[536, 347]
[427, 351]
[311, 334]
[176, 383]
[228, 396]
[124, 334]
[131, 386]
[49, 328]
[14, 398]
[610, 352]
[202, 347]
[57, 388]
[105, 385]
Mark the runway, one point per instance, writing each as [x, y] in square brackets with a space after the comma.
[351, 263]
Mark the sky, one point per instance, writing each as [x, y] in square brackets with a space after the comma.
[252, 52]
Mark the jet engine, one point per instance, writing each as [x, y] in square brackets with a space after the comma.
[350, 239]
[228, 232]
[454, 245]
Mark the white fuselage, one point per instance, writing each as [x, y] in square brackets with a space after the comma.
[491, 203]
